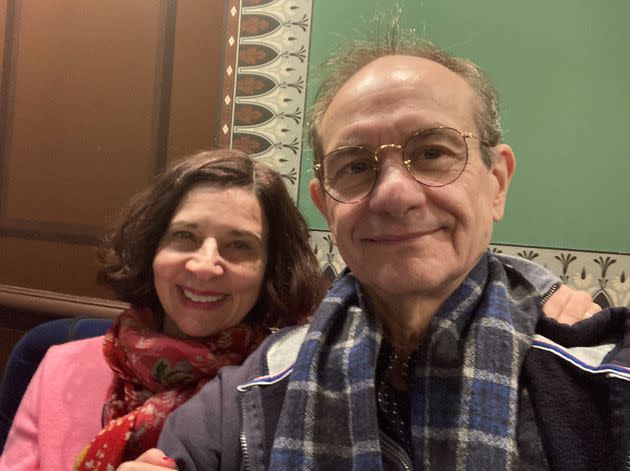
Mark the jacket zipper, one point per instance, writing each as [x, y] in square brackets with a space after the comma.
[242, 436]
[549, 293]
[394, 452]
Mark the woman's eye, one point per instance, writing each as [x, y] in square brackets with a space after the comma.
[240, 245]
[183, 235]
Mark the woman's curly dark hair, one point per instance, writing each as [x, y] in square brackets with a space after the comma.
[293, 283]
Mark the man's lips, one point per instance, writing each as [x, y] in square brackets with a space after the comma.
[400, 237]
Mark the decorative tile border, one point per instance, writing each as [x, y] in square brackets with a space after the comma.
[605, 276]
[265, 69]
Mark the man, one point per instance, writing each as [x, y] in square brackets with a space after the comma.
[427, 353]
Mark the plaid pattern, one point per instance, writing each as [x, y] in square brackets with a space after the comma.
[464, 387]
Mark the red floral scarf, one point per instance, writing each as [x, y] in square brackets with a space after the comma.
[155, 374]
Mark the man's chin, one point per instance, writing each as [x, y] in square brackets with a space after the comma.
[398, 281]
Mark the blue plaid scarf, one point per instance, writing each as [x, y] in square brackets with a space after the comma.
[464, 385]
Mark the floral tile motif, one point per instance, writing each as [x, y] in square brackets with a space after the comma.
[605, 276]
[265, 69]
[327, 254]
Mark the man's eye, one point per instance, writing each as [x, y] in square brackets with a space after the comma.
[355, 168]
[429, 153]
[433, 154]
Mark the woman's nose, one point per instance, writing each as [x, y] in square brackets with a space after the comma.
[206, 261]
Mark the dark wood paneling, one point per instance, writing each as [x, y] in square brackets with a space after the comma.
[3, 19]
[86, 88]
[195, 100]
[97, 97]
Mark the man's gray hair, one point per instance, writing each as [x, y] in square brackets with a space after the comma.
[388, 39]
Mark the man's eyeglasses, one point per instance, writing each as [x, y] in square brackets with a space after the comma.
[433, 157]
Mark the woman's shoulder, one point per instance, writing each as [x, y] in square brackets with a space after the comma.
[61, 408]
[89, 349]
[79, 359]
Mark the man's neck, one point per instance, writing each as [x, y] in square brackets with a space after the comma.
[406, 321]
[406, 316]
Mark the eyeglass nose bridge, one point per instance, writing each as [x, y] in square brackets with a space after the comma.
[406, 162]
[387, 146]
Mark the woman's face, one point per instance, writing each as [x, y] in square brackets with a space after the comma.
[210, 263]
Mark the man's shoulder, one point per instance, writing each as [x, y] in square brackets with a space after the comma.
[274, 356]
[283, 348]
[538, 276]
[271, 362]
[578, 379]
[599, 344]
[598, 359]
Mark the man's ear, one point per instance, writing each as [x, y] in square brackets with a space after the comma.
[318, 196]
[502, 170]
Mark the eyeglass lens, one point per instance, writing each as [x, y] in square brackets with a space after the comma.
[433, 157]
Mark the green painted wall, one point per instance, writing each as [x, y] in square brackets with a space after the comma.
[562, 68]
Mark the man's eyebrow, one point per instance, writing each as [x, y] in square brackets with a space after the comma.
[360, 136]
[349, 140]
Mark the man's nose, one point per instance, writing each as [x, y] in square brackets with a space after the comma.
[206, 261]
[395, 191]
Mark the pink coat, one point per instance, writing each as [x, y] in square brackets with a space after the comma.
[61, 410]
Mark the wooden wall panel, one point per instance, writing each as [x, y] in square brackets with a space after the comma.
[196, 77]
[54, 266]
[3, 20]
[81, 109]
[99, 96]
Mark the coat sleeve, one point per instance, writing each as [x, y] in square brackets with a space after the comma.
[21, 451]
[187, 438]
[202, 434]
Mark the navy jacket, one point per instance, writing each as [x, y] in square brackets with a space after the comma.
[577, 378]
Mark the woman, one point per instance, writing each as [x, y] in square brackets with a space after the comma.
[211, 257]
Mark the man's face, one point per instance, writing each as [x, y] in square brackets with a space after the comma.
[406, 239]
